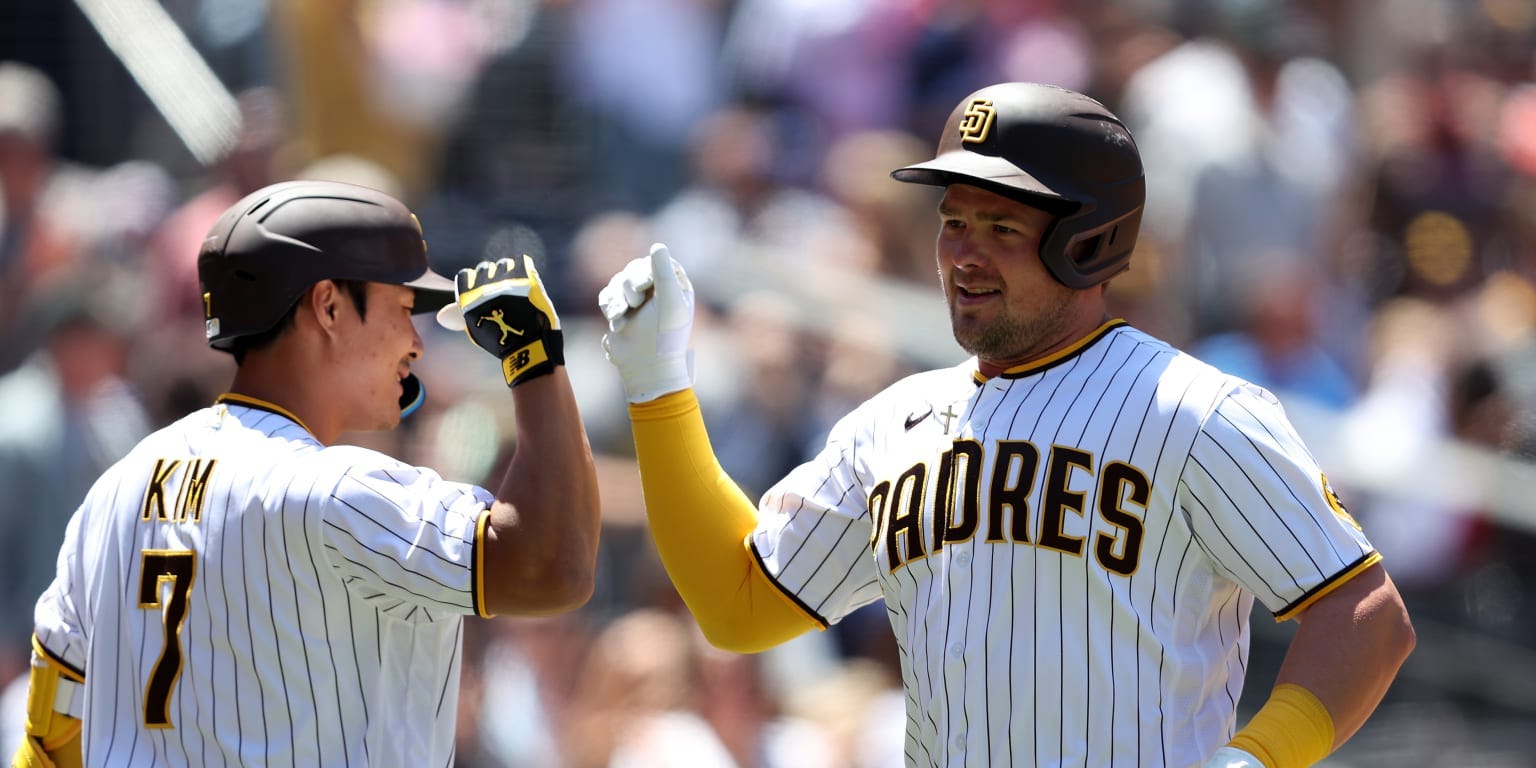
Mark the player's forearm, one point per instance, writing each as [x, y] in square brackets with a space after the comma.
[1346, 652]
[545, 545]
[1349, 647]
[700, 520]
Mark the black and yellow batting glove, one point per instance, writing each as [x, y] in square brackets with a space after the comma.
[508, 313]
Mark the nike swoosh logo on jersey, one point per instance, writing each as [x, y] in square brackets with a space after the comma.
[916, 419]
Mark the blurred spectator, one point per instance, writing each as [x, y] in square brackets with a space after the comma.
[636, 702]
[1438, 181]
[823, 69]
[352, 169]
[251, 163]
[896, 220]
[603, 245]
[1517, 147]
[1510, 306]
[29, 122]
[758, 436]
[379, 79]
[13, 706]
[1251, 152]
[862, 709]
[751, 723]
[1459, 567]
[424, 57]
[528, 675]
[961, 45]
[738, 200]
[517, 156]
[1276, 341]
[35, 237]
[644, 71]
[1401, 418]
[1189, 108]
[66, 415]
[1124, 38]
[860, 360]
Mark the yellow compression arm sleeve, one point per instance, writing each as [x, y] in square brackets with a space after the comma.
[700, 520]
[52, 738]
[1292, 730]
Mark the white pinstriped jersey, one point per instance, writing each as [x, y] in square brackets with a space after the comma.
[1068, 552]
[235, 593]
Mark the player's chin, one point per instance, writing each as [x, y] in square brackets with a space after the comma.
[389, 415]
[380, 417]
[384, 410]
[969, 316]
[974, 331]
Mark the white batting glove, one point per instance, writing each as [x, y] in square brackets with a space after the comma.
[1232, 757]
[649, 307]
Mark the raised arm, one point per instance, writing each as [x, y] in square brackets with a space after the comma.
[698, 516]
[540, 542]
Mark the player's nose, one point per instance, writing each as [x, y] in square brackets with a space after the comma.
[417, 347]
[965, 252]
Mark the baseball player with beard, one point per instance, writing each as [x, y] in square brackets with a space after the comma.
[1068, 529]
[241, 589]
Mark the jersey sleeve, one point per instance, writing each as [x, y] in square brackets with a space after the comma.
[1262, 508]
[56, 618]
[813, 531]
[404, 539]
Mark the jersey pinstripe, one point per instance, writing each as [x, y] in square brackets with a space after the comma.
[235, 593]
[1068, 552]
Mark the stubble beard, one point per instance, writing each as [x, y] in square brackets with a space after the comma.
[1010, 337]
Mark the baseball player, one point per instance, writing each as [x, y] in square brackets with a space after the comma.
[240, 589]
[1068, 529]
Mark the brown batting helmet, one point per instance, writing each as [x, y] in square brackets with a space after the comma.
[1053, 149]
[266, 250]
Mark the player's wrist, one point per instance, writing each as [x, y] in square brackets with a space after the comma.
[538, 358]
[504, 309]
[650, 379]
[1292, 730]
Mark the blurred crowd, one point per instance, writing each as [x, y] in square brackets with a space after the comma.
[1341, 207]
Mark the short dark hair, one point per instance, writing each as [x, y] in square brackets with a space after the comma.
[356, 289]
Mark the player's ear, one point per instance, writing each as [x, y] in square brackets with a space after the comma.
[320, 303]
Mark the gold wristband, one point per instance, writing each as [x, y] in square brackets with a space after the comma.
[1292, 730]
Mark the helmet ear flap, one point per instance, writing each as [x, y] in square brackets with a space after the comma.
[1081, 257]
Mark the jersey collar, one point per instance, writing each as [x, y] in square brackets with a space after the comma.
[1055, 358]
[229, 398]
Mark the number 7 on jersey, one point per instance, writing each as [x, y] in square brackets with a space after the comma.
[179, 567]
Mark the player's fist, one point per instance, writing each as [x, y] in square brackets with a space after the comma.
[649, 308]
[504, 308]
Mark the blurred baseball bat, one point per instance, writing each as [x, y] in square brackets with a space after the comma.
[170, 71]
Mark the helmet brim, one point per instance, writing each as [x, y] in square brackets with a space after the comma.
[960, 165]
[433, 292]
